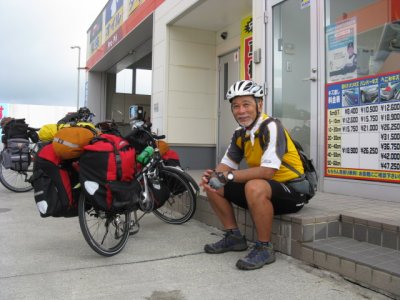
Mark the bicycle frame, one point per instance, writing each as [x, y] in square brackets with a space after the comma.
[178, 208]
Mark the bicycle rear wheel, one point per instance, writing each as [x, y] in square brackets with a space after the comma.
[105, 232]
[15, 181]
[181, 205]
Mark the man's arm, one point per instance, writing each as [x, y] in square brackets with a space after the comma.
[223, 168]
[240, 176]
[251, 173]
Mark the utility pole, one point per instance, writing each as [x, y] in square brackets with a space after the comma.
[79, 70]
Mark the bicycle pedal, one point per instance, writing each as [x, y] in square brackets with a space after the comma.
[134, 231]
[133, 228]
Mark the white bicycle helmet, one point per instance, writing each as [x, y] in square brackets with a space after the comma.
[245, 88]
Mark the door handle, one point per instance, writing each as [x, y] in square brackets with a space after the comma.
[310, 78]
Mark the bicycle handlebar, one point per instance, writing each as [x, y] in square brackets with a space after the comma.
[140, 126]
[158, 137]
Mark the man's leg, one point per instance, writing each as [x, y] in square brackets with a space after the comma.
[233, 240]
[258, 196]
[223, 209]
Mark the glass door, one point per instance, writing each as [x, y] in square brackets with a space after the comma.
[292, 68]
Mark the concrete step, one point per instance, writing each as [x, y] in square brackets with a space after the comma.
[372, 229]
[356, 238]
[360, 247]
[370, 265]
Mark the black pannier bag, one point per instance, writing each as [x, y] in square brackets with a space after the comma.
[33, 135]
[158, 191]
[106, 171]
[53, 181]
[16, 156]
[18, 129]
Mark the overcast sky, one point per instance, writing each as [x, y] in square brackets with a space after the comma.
[37, 65]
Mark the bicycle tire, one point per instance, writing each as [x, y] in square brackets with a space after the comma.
[181, 205]
[15, 181]
[96, 224]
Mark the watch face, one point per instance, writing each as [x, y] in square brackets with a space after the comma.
[230, 176]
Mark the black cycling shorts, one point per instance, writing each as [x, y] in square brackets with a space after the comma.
[284, 199]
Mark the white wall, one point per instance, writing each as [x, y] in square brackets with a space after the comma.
[184, 78]
[259, 70]
[192, 86]
[39, 115]
[185, 74]
[232, 42]
[96, 101]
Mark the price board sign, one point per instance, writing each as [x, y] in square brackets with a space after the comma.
[363, 128]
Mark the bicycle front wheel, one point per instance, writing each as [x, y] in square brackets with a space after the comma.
[16, 181]
[105, 232]
[181, 204]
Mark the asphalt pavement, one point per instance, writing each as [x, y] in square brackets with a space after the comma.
[48, 258]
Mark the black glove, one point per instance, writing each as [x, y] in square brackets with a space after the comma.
[217, 180]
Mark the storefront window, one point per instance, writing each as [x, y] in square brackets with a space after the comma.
[362, 38]
[143, 82]
[363, 89]
[124, 82]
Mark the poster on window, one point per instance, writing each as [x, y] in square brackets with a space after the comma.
[341, 39]
[363, 128]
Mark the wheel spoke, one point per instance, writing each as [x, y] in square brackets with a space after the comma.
[96, 228]
[15, 181]
[181, 205]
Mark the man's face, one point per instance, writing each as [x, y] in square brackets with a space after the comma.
[244, 109]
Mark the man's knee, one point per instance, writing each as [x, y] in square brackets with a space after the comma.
[258, 189]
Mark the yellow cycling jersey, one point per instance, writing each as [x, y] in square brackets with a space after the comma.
[267, 144]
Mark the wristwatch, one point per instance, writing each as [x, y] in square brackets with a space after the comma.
[230, 176]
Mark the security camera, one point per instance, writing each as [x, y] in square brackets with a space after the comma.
[224, 35]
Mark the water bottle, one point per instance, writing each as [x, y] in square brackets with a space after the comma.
[145, 156]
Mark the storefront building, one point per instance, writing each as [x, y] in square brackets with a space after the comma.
[331, 71]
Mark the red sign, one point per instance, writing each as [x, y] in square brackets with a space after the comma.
[248, 58]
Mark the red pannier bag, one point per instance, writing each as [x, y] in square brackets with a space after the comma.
[171, 158]
[53, 181]
[106, 171]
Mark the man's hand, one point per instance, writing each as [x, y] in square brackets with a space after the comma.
[217, 180]
[212, 181]
[205, 178]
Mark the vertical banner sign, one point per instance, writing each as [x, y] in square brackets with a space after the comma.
[95, 33]
[133, 4]
[114, 17]
[246, 48]
[341, 45]
[363, 128]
